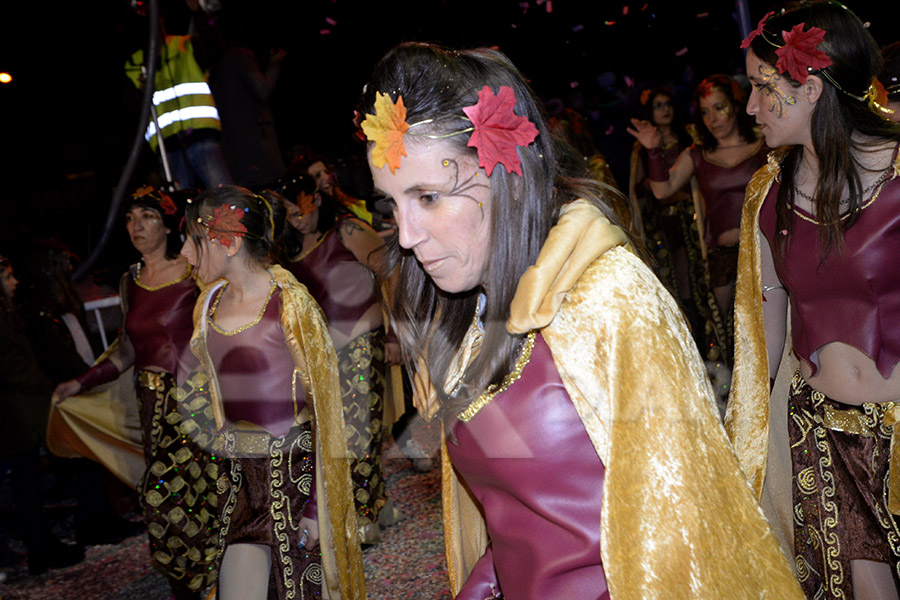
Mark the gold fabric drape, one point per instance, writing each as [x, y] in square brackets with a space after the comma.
[679, 520]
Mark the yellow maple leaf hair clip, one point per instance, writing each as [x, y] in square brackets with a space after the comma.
[386, 129]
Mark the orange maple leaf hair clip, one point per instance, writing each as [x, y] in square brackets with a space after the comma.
[496, 130]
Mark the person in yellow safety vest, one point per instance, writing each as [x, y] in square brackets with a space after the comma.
[186, 113]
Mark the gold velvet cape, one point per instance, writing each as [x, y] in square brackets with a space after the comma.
[307, 337]
[679, 520]
[756, 420]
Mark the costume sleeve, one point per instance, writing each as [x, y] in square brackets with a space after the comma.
[482, 581]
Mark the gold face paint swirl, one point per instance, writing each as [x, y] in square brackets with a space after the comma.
[769, 87]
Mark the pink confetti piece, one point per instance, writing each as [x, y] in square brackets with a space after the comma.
[644, 7]
[610, 130]
[324, 31]
[573, 84]
[549, 6]
[629, 81]
[330, 21]
[682, 52]
[703, 14]
[625, 10]
[578, 28]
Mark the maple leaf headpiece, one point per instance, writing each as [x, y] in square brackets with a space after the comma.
[224, 224]
[496, 130]
[148, 192]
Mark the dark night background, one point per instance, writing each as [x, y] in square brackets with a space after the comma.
[68, 119]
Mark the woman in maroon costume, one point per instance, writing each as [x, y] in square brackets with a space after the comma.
[334, 257]
[820, 238]
[272, 380]
[724, 159]
[158, 296]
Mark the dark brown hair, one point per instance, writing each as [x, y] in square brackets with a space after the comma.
[435, 84]
[836, 117]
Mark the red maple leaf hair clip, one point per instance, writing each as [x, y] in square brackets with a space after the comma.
[758, 31]
[225, 224]
[800, 53]
[498, 130]
[166, 203]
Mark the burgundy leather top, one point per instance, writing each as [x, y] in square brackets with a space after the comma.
[159, 324]
[723, 190]
[255, 371]
[852, 298]
[528, 459]
[343, 286]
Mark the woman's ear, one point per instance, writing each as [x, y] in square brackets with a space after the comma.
[235, 247]
[812, 88]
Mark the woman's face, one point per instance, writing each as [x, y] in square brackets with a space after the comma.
[718, 115]
[781, 111]
[322, 176]
[146, 229]
[8, 282]
[303, 215]
[209, 258]
[442, 206]
[663, 111]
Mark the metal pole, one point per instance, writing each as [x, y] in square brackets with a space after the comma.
[128, 170]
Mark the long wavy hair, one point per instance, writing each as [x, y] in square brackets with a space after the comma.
[836, 118]
[435, 84]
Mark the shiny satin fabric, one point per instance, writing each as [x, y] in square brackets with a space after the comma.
[343, 286]
[845, 298]
[723, 190]
[158, 324]
[258, 371]
[307, 338]
[756, 420]
[528, 460]
[678, 519]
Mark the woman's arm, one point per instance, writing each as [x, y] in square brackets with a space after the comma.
[360, 239]
[664, 185]
[118, 360]
[775, 302]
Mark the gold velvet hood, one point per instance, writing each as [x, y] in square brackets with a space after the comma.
[679, 520]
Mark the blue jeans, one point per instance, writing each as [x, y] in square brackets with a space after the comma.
[200, 164]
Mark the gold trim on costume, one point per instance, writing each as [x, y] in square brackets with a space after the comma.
[153, 288]
[215, 304]
[485, 398]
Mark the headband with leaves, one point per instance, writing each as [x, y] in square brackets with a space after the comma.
[800, 55]
[496, 130]
[148, 192]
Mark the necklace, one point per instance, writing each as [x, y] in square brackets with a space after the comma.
[153, 288]
[485, 398]
[215, 304]
[876, 186]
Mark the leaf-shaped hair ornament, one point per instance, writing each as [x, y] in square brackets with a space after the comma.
[758, 31]
[386, 129]
[225, 224]
[498, 130]
[800, 53]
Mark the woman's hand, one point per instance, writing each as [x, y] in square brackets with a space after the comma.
[310, 528]
[645, 132]
[392, 353]
[64, 390]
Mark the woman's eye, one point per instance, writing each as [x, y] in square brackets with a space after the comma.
[428, 198]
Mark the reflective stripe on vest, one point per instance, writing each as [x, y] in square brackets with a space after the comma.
[183, 114]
